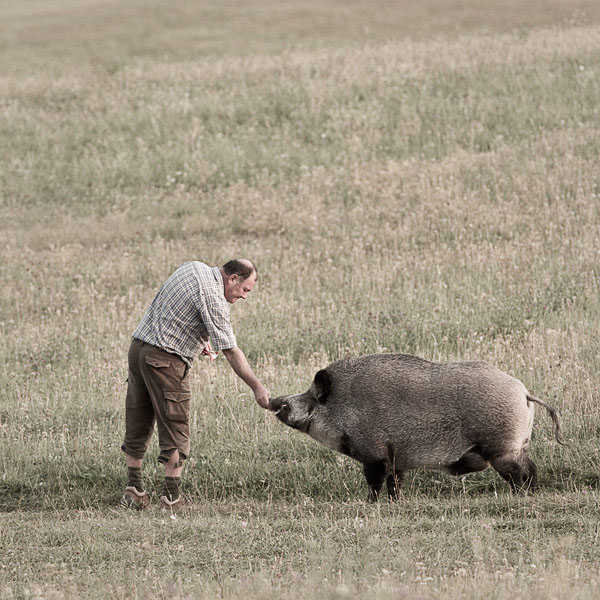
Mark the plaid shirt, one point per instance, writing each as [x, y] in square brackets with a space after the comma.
[188, 311]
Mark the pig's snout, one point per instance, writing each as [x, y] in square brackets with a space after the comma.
[279, 406]
[296, 411]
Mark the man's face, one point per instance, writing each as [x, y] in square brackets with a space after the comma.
[235, 288]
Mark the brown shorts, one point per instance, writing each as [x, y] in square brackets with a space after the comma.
[158, 391]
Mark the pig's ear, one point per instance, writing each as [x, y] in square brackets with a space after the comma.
[322, 385]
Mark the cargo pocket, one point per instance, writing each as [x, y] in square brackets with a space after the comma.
[178, 406]
[159, 363]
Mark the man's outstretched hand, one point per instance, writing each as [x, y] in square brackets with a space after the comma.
[262, 396]
[240, 365]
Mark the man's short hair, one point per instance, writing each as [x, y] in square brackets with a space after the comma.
[242, 268]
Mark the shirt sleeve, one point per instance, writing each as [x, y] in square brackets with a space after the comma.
[214, 313]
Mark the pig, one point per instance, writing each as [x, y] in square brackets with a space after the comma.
[396, 412]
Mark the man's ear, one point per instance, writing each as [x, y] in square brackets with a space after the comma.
[322, 385]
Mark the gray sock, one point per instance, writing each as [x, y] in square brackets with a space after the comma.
[134, 478]
[171, 490]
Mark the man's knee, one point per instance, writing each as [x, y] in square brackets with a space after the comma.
[172, 458]
[134, 451]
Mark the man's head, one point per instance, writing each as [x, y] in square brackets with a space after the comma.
[239, 277]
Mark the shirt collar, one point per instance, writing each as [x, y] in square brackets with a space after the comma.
[219, 278]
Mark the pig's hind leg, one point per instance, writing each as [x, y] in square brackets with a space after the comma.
[531, 480]
[470, 462]
[519, 471]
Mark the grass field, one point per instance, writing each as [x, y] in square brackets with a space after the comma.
[411, 176]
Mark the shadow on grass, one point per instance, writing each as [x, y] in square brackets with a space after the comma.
[290, 482]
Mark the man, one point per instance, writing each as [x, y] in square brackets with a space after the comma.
[190, 314]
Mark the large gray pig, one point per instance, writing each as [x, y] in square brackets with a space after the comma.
[396, 412]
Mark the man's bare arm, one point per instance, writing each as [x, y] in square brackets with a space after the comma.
[239, 363]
